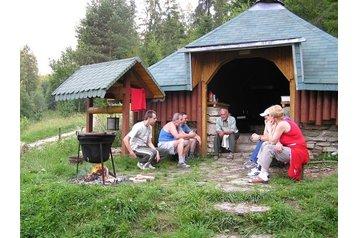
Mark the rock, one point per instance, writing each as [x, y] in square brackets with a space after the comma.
[23, 147]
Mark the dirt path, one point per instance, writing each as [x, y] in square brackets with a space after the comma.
[42, 142]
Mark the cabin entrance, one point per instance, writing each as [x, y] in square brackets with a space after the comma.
[249, 86]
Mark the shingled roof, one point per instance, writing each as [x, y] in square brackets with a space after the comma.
[91, 81]
[262, 25]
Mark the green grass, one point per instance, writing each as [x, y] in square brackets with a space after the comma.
[173, 205]
[50, 124]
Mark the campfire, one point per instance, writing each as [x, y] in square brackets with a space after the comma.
[96, 173]
[95, 177]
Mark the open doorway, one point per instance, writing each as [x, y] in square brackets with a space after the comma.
[249, 86]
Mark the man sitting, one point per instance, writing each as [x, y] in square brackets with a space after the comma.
[139, 142]
[225, 129]
[173, 141]
[193, 142]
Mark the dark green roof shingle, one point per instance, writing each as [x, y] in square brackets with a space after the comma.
[94, 80]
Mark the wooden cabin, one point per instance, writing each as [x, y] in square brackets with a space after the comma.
[112, 80]
[249, 63]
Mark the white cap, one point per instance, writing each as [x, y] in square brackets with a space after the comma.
[265, 113]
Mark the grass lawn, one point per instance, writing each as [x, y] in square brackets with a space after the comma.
[50, 124]
[175, 204]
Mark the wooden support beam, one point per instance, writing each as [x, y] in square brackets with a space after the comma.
[202, 127]
[89, 116]
[126, 111]
[105, 110]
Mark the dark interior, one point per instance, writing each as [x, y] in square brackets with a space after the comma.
[249, 86]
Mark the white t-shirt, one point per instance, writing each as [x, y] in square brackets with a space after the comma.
[139, 135]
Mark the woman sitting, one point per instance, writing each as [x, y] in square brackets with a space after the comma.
[287, 145]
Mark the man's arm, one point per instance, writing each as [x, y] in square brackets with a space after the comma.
[129, 148]
[176, 135]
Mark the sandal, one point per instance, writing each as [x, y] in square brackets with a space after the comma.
[257, 179]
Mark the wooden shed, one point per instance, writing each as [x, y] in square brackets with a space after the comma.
[249, 63]
[111, 80]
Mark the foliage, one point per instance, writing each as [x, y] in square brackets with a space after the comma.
[26, 104]
[107, 32]
[172, 30]
[62, 69]
[24, 124]
[174, 205]
[29, 78]
[32, 101]
[66, 108]
[321, 13]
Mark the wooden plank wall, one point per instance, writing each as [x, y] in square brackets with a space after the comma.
[176, 101]
[316, 107]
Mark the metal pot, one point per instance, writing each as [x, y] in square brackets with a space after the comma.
[92, 143]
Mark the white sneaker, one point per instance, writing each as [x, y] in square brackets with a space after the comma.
[148, 165]
[141, 166]
[254, 172]
[264, 176]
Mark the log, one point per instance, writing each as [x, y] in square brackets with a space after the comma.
[105, 110]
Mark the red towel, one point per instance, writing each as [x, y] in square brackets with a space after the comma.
[138, 99]
[299, 157]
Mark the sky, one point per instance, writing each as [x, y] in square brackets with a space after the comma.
[48, 27]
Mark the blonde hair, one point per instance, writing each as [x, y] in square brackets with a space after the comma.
[276, 111]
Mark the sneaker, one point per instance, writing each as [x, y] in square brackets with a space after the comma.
[183, 165]
[141, 166]
[216, 157]
[149, 166]
[254, 172]
[230, 156]
[250, 165]
[190, 157]
[260, 178]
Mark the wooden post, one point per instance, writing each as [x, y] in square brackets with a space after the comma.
[126, 112]
[89, 116]
[203, 92]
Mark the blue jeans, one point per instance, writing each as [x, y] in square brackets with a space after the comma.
[254, 154]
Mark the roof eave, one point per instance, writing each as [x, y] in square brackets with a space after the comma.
[245, 45]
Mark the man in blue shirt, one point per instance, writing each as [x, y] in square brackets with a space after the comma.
[193, 142]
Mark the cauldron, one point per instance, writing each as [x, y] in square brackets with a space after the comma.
[93, 143]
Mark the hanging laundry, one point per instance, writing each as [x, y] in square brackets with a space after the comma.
[138, 99]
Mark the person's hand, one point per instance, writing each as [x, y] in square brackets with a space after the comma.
[133, 155]
[270, 126]
[255, 137]
[198, 139]
[158, 157]
[192, 134]
[279, 147]
[221, 133]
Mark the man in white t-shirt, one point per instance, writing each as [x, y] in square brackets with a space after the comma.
[139, 142]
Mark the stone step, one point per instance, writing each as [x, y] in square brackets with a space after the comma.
[244, 144]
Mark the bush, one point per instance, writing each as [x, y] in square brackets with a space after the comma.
[66, 107]
[24, 124]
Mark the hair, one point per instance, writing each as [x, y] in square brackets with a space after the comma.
[183, 113]
[149, 114]
[276, 111]
[176, 116]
